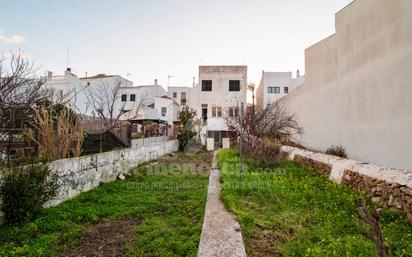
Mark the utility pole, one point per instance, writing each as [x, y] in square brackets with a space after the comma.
[241, 145]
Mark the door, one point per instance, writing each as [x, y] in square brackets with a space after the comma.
[204, 113]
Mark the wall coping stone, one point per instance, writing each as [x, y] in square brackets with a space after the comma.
[339, 165]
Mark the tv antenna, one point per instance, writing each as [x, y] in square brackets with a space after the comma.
[67, 58]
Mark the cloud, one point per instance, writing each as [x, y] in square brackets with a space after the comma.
[9, 40]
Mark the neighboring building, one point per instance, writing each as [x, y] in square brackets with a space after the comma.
[132, 96]
[167, 109]
[91, 84]
[358, 90]
[63, 87]
[76, 91]
[180, 95]
[219, 94]
[275, 85]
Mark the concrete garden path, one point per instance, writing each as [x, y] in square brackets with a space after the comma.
[221, 235]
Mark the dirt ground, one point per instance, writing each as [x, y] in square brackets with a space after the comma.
[105, 239]
[110, 238]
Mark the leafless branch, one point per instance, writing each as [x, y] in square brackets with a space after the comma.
[19, 84]
[372, 217]
[105, 101]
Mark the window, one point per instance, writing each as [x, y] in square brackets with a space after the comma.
[286, 90]
[183, 98]
[273, 90]
[124, 98]
[174, 94]
[206, 85]
[164, 111]
[133, 98]
[88, 84]
[216, 111]
[234, 85]
[233, 111]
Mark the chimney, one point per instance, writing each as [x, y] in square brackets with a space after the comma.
[297, 73]
[155, 82]
[49, 75]
[67, 72]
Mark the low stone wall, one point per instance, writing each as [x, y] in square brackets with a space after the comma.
[77, 175]
[81, 174]
[386, 186]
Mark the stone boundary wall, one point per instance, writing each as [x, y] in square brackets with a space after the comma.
[77, 175]
[386, 186]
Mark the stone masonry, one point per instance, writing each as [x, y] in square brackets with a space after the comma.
[77, 175]
[386, 186]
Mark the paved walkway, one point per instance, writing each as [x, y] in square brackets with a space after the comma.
[221, 236]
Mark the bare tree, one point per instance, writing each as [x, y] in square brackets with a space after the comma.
[19, 84]
[20, 90]
[105, 99]
[262, 130]
[372, 217]
[272, 122]
[251, 87]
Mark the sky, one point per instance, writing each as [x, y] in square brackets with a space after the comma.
[156, 39]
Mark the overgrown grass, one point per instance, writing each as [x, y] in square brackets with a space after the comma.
[290, 210]
[170, 207]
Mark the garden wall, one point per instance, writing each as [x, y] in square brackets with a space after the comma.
[389, 187]
[77, 175]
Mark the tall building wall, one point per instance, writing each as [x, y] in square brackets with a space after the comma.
[357, 90]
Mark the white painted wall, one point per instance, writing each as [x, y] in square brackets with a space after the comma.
[77, 91]
[276, 79]
[357, 90]
[172, 109]
[220, 94]
[147, 93]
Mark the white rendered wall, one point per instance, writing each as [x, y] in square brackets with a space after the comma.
[275, 79]
[172, 109]
[357, 90]
[220, 94]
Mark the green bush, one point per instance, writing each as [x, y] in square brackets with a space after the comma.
[337, 150]
[186, 131]
[25, 189]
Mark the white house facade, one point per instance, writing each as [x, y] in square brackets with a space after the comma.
[77, 92]
[275, 85]
[167, 109]
[182, 95]
[219, 94]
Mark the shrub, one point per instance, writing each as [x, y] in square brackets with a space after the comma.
[25, 189]
[263, 150]
[187, 130]
[337, 150]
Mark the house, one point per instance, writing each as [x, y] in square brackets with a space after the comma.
[182, 95]
[105, 85]
[167, 109]
[134, 96]
[275, 85]
[78, 92]
[219, 94]
[63, 87]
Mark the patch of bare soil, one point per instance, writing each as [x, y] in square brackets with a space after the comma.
[105, 239]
